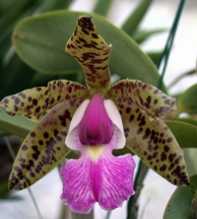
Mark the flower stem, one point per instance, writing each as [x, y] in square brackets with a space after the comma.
[168, 46]
[132, 207]
[194, 206]
[82, 216]
[108, 215]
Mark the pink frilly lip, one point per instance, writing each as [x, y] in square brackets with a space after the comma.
[97, 177]
[108, 181]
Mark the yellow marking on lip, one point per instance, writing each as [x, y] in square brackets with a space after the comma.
[95, 151]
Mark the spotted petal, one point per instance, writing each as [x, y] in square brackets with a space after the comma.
[151, 139]
[44, 147]
[34, 103]
[92, 53]
[147, 97]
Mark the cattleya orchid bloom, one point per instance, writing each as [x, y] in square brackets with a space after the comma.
[95, 119]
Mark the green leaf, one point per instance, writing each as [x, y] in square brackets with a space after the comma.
[42, 79]
[4, 45]
[133, 21]
[40, 42]
[143, 35]
[15, 76]
[102, 7]
[188, 120]
[5, 194]
[16, 125]
[187, 101]
[4, 6]
[155, 56]
[190, 155]
[49, 5]
[13, 13]
[181, 202]
[4, 189]
[184, 132]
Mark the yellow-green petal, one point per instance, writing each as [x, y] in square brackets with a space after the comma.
[149, 98]
[92, 53]
[152, 141]
[34, 103]
[44, 147]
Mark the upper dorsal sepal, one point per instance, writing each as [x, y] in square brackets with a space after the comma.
[92, 53]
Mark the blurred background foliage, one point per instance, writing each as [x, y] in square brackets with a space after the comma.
[20, 69]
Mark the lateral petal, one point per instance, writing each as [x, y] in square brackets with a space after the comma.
[149, 98]
[44, 147]
[151, 139]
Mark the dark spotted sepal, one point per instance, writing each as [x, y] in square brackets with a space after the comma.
[36, 102]
[92, 53]
[142, 106]
[43, 148]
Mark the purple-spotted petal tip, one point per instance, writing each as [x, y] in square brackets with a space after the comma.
[95, 128]
[108, 181]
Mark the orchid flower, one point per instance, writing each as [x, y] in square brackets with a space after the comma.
[95, 119]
